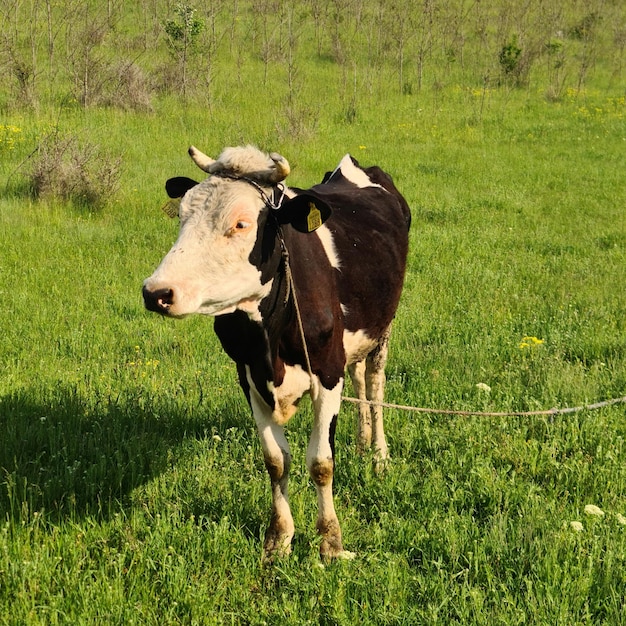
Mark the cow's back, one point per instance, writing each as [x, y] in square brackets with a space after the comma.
[369, 227]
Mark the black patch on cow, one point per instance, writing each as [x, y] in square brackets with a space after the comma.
[331, 435]
[243, 340]
[327, 177]
[246, 343]
[178, 186]
[265, 254]
[305, 212]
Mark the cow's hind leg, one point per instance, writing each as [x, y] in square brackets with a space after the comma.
[364, 425]
[320, 462]
[375, 386]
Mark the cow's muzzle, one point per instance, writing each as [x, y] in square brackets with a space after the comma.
[158, 300]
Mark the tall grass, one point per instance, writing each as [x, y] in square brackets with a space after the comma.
[132, 487]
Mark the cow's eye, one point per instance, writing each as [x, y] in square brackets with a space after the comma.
[240, 226]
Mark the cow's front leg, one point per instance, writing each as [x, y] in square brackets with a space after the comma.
[320, 462]
[280, 532]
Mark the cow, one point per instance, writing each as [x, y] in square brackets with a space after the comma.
[302, 285]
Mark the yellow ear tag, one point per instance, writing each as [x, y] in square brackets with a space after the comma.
[314, 219]
[170, 208]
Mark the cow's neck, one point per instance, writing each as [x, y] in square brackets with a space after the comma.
[276, 309]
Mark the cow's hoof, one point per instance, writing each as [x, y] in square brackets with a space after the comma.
[331, 548]
[276, 546]
[344, 555]
[380, 465]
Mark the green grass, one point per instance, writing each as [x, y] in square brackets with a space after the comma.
[132, 485]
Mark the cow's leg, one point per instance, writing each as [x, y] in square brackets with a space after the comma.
[364, 427]
[375, 383]
[320, 462]
[277, 461]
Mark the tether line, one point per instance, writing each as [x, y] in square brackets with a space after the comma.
[555, 411]
[291, 292]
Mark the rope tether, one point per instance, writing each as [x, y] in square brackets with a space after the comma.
[555, 411]
[291, 291]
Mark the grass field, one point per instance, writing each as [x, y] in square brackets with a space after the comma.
[132, 484]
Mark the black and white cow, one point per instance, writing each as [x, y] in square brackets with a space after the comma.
[272, 264]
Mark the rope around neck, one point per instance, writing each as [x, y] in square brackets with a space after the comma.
[291, 290]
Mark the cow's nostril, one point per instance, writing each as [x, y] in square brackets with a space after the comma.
[159, 300]
[165, 297]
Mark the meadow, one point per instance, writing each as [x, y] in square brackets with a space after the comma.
[132, 484]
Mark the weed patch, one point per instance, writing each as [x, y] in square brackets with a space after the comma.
[77, 172]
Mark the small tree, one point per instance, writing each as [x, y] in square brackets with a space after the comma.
[182, 35]
[509, 57]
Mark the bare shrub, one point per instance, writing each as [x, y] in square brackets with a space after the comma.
[24, 75]
[297, 122]
[87, 63]
[80, 173]
[128, 88]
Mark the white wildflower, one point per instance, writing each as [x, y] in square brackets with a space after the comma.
[592, 509]
[483, 387]
[577, 526]
[217, 438]
[621, 519]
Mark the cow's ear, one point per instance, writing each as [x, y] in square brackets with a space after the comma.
[305, 212]
[177, 187]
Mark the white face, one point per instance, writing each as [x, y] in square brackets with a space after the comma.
[208, 270]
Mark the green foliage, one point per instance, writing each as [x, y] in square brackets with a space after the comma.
[585, 28]
[132, 485]
[509, 56]
[184, 31]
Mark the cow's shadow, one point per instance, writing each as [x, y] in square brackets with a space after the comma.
[71, 458]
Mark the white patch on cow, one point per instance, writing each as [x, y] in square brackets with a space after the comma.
[355, 174]
[326, 404]
[357, 345]
[326, 237]
[295, 384]
[260, 408]
[320, 463]
[251, 307]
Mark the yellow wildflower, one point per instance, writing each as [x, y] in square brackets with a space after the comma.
[530, 342]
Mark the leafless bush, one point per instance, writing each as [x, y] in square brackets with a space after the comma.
[86, 63]
[127, 88]
[80, 173]
[297, 122]
[19, 71]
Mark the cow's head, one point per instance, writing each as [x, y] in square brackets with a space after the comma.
[219, 261]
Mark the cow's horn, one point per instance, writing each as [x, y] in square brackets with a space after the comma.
[203, 161]
[282, 169]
